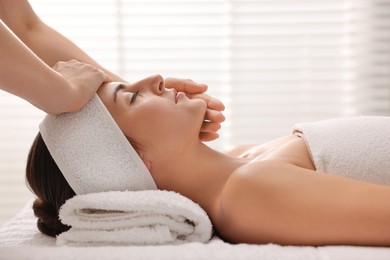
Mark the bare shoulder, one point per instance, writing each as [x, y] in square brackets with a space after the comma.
[254, 180]
[277, 202]
[251, 175]
[247, 202]
[244, 189]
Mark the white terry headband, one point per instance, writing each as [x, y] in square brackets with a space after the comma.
[92, 152]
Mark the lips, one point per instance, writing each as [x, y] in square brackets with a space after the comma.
[175, 95]
[178, 96]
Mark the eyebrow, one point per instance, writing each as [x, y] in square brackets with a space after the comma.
[117, 88]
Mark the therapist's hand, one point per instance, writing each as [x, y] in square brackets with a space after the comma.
[213, 118]
[84, 80]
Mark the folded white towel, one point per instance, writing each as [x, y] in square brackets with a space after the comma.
[353, 147]
[133, 218]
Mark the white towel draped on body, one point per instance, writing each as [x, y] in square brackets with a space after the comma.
[353, 147]
[133, 218]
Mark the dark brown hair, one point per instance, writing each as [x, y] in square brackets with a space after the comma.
[47, 182]
[45, 179]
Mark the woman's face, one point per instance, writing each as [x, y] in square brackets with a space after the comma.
[152, 115]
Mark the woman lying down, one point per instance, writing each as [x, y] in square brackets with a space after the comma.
[326, 183]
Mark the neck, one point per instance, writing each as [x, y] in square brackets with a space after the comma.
[199, 173]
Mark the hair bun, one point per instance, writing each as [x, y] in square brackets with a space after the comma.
[48, 221]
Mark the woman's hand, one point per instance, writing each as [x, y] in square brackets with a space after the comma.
[213, 118]
[83, 78]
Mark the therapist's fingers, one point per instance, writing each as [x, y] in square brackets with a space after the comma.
[209, 131]
[208, 136]
[84, 80]
[69, 68]
[187, 86]
[194, 90]
[74, 68]
[210, 127]
[106, 77]
[212, 103]
[214, 116]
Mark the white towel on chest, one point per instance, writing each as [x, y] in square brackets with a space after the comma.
[133, 218]
[353, 147]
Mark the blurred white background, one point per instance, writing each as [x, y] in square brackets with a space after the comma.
[273, 63]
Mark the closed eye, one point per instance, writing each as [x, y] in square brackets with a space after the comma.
[134, 97]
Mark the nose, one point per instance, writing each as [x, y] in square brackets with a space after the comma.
[156, 83]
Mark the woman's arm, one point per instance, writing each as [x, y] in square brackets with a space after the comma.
[273, 202]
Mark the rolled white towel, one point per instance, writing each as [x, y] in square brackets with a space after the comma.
[133, 218]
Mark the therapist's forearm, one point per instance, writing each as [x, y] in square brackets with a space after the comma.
[52, 47]
[23, 74]
[44, 41]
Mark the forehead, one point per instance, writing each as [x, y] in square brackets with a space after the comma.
[106, 93]
[105, 88]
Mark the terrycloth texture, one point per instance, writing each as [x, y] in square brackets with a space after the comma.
[92, 152]
[353, 147]
[21, 240]
[133, 218]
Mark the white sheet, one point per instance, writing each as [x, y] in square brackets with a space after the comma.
[20, 239]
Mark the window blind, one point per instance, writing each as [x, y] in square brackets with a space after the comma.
[273, 63]
[306, 60]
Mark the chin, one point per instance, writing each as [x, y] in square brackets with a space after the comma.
[200, 111]
[200, 106]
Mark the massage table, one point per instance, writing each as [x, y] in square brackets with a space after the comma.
[20, 239]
